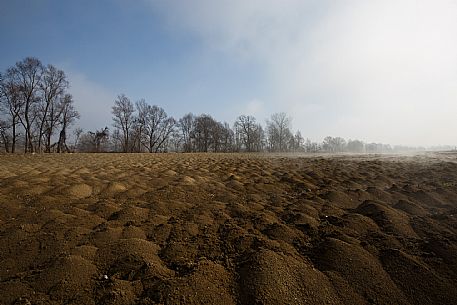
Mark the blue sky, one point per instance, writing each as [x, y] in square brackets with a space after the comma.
[118, 47]
[380, 71]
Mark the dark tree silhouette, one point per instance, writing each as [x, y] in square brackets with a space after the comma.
[53, 86]
[30, 103]
[248, 133]
[26, 76]
[278, 130]
[123, 118]
[11, 106]
[186, 126]
[69, 114]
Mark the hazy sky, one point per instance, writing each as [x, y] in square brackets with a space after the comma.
[383, 71]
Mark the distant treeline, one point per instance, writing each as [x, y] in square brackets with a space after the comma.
[36, 112]
[141, 127]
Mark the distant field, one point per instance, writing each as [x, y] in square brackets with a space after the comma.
[228, 229]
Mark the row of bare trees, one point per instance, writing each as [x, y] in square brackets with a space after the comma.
[141, 127]
[36, 110]
[340, 145]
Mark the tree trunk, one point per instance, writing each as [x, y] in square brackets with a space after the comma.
[48, 142]
[5, 142]
[41, 133]
[13, 144]
[28, 142]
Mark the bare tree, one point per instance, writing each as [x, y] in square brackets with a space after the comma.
[69, 114]
[30, 99]
[186, 126]
[157, 127]
[26, 75]
[123, 117]
[340, 144]
[11, 106]
[355, 146]
[311, 147]
[166, 130]
[94, 141]
[211, 135]
[248, 132]
[202, 132]
[297, 142]
[228, 137]
[116, 140]
[327, 144]
[101, 138]
[53, 85]
[175, 141]
[139, 125]
[278, 129]
[5, 136]
[218, 137]
[334, 144]
[77, 133]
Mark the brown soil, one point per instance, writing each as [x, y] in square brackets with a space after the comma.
[228, 229]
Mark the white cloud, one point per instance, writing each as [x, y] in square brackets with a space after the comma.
[382, 70]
